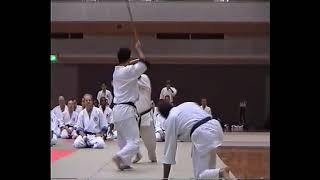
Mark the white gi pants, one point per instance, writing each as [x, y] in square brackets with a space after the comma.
[66, 135]
[205, 139]
[128, 139]
[148, 136]
[93, 141]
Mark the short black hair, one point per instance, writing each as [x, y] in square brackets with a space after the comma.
[164, 108]
[124, 55]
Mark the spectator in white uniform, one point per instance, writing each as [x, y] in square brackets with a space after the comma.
[205, 107]
[146, 118]
[104, 92]
[67, 125]
[91, 126]
[107, 112]
[188, 122]
[126, 93]
[58, 110]
[77, 107]
[55, 131]
[168, 90]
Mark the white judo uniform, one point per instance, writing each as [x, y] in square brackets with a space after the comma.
[205, 139]
[90, 126]
[68, 121]
[125, 88]
[59, 113]
[158, 125]
[107, 112]
[107, 95]
[146, 126]
[165, 92]
[54, 128]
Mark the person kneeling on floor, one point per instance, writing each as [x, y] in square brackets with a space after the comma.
[91, 126]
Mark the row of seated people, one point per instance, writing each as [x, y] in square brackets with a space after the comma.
[93, 124]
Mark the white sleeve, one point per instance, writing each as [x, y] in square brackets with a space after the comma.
[157, 124]
[80, 122]
[210, 112]
[61, 121]
[144, 82]
[99, 96]
[111, 97]
[136, 70]
[174, 91]
[161, 94]
[170, 146]
[102, 119]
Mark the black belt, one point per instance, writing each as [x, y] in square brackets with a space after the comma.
[90, 133]
[133, 105]
[141, 114]
[127, 103]
[199, 123]
[145, 112]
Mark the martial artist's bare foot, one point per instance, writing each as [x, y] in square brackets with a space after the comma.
[224, 173]
[117, 160]
[137, 159]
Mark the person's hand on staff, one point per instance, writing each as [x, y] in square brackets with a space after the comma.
[139, 51]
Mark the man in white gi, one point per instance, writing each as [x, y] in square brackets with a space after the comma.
[107, 112]
[58, 110]
[168, 90]
[91, 125]
[205, 107]
[67, 125]
[126, 93]
[77, 107]
[104, 92]
[145, 118]
[189, 122]
[54, 129]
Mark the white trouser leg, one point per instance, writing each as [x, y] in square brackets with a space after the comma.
[79, 143]
[128, 134]
[54, 139]
[64, 134]
[204, 165]
[149, 139]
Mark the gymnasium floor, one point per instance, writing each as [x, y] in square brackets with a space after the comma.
[70, 163]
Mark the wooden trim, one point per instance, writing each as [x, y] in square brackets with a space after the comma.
[145, 28]
[172, 60]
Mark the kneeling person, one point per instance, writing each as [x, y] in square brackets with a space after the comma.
[68, 122]
[189, 122]
[91, 125]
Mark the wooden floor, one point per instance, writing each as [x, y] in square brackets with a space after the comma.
[247, 162]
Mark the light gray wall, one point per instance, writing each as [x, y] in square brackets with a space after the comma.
[162, 11]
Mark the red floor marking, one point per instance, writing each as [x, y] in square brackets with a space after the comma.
[60, 153]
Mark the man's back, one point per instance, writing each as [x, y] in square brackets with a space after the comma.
[125, 82]
[183, 117]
